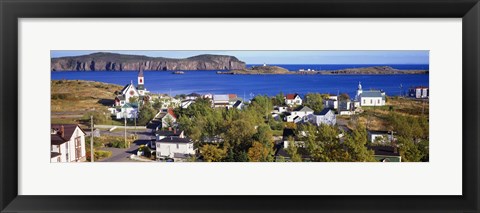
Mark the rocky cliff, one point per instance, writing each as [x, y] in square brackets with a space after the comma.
[120, 62]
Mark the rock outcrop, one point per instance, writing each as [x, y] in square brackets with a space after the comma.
[120, 62]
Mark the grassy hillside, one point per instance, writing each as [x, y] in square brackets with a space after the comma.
[71, 99]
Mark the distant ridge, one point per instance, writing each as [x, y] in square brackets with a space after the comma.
[104, 61]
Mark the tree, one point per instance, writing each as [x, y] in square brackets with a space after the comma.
[259, 153]
[146, 114]
[292, 150]
[344, 97]
[355, 145]
[314, 101]
[133, 99]
[157, 104]
[409, 150]
[212, 153]
[99, 116]
[279, 99]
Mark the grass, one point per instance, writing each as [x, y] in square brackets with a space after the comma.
[375, 118]
[80, 96]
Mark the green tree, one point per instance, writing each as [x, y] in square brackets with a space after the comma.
[409, 151]
[212, 153]
[314, 101]
[133, 99]
[146, 114]
[292, 150]
[99, 116]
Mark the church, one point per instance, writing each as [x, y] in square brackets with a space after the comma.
[129, 91]
[370, 97]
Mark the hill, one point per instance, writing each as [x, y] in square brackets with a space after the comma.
[104, 61]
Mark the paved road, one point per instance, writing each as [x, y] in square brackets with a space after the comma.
[122, 155]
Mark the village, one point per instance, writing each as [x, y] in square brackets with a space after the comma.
[224, 127]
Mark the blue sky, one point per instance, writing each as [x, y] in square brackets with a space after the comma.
[286, 56]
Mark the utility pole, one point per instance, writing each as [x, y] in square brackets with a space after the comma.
[92, 151]
[125, 128]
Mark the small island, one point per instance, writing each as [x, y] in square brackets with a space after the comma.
[276, 70]
[258, 70]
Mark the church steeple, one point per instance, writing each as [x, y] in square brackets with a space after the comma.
[141, 80]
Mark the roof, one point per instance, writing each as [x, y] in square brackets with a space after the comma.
[175, 140]
[130, 105]
[221, 97]
[324, 111]
[124, 88]
[377, 132]
[288, 132]
[170, 111]
[54, 154]
[305, 109]
[57, 139]
[384, 150]
[68, 128]
[237, 103]
[120, 97]
[232, 96]
[372, 94]
[168, 133]
[291, 96]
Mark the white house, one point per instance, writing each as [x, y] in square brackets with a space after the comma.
[370, 98]
[330, 103]
[67, 143]
[299, 115]
[293, 99]
[161, 134]
[174, 147]
[186, 103]
[168, 118]
[221, 101]
[238, 105]
[128, 110]
[326, 116]
[382, 137]
[418, 92]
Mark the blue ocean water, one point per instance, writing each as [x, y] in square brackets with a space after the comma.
[250, 85]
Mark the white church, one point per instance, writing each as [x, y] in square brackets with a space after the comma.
[123, 107]
[370, 97]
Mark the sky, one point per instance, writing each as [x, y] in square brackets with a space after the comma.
[284, 56]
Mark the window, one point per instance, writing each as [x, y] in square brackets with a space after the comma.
[178, 146]
[371, 101]
[364, 101]
[378, 101]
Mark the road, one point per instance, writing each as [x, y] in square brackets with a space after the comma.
[122, 155]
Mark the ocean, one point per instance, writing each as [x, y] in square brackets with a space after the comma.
[248, 86]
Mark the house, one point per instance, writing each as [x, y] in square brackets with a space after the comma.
[299, 115]
[293, 99]
[174, 147]
[161, 134]
[67, 143]
[128, 110]
[232, 99]
[186, 103]
[220, 101]
[326, 116]
[370, 98]
[382, 137]
[418, 92]
[192, 96]
[238, 104]
[279, 109]
[346, 107]
[168, 118]
[386, 153]
[330, 103]
[280, 148]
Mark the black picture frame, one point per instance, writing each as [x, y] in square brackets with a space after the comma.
[12, 10]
